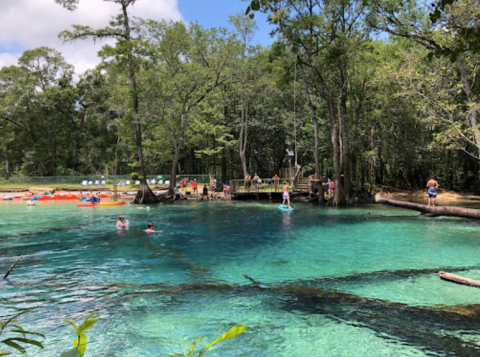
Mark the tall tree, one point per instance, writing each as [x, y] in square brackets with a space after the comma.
[124, 51]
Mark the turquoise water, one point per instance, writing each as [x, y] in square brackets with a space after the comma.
[335, 282]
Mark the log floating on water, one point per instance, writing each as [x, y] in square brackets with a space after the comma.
[458, 279]
[431, 211]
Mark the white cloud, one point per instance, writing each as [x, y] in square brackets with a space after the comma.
[8, 59]
[28, 24]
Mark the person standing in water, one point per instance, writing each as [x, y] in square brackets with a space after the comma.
[286, 195]
[121, 223]
[432, 185]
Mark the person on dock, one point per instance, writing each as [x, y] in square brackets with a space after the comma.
[121, 222]
[310, 182]
[150, 229]
[256, 181]
[286, 195]
[205, 193]
[276, 181]
[330, 189]
[432, 185]
[194, 185]
[212, 184]
[248, 182]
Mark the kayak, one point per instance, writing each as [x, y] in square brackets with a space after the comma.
[108, 195]
[102, 204]
[285, 209]
[58, 197]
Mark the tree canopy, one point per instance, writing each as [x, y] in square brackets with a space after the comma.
[365, 93]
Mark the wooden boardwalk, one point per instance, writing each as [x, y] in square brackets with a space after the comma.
[241, 189]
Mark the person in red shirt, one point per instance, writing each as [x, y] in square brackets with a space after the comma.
[194, 185]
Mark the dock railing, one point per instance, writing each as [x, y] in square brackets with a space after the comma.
[254, 186]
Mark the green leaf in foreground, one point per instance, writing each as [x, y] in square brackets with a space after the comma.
[232, 333]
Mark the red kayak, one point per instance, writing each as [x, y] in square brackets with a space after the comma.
[58, 197]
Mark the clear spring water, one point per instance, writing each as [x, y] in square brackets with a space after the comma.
[155, 294]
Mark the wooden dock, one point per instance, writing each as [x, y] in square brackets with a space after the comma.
[263, 190]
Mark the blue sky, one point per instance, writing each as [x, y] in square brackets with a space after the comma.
[214, 13]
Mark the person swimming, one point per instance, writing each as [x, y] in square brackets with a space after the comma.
[121, 222]
[150, 229]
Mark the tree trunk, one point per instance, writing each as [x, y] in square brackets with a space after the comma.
[173, 174]
[313, 108]
[145, 194]
[176, 158]
[7, 167]
[224, 166]
[432, 211]
[339, 197]
[342, 118]
[473, 111]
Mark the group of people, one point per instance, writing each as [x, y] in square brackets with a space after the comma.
[122, 223]
[93, 198]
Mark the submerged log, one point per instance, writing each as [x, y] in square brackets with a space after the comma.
[11, 268]
[458, 279]
[431, 211]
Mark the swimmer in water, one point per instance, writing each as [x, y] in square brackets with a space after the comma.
[150, 229]
[121, 223]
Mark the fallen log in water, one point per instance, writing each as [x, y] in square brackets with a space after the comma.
[431, 211]
[11, 268]
[458, 279]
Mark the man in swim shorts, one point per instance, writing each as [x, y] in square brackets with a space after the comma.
[432, 185]
[121, 223]
[286, 195]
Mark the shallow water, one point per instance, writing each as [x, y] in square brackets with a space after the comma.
[360, 281]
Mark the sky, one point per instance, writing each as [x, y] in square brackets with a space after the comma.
[28, 24]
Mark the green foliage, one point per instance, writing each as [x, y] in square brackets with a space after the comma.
[230, 334]
[16, 342]
[80, 343]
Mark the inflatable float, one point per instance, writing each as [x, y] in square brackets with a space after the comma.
[101, 204]
[285, 209]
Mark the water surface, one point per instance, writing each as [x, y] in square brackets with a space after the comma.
[335, 282]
